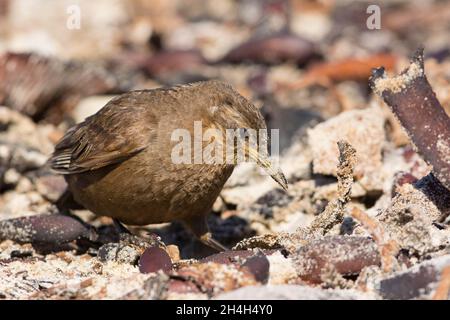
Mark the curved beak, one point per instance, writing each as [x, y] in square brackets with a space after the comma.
[273, 170]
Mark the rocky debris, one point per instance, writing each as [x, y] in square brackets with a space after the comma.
[23, 201]
[155, 259]
[17, 130]
[272, 49]
[366, 134]
[173, 62]
[154, 288]
[120, 253]
[410, 219]
[418, 282]
[266, 241]
[443, 289]
[213, 278]
[368, 223]
[229, 257]
[256, 263]
[15, 163]
[259, 266]
[387, 248]
[36, 27]
[400, 179]
[135, 250]
[33, 84]
[24, 149]
[246, 185]
[51, 229]
[347, 255]
[282, 269]
[66, 275]
[290, 123]
[50, 186]
[292, 292]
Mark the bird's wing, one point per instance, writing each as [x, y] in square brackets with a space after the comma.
[118, 131]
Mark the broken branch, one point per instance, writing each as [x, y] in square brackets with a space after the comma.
[334, 212]
[412, 100]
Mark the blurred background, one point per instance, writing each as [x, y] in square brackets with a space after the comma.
[284, 53]
[302, 61]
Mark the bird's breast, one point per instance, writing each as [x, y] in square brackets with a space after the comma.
[150, 188]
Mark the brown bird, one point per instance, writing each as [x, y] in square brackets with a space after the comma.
[120, 163]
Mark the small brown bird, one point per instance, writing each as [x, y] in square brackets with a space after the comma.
[120, 161]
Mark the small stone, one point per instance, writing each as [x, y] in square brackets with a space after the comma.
[259, 266]
[292, 292]
[347, 255]
[51, 186]
[155, 259]
[416, 282]
[43, 229]
[409, 220]
[364, 130]
[119, 252]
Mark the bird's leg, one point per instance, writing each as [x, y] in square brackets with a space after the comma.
[120, 228]
[66, 202]
[207, 239]
[200, 229]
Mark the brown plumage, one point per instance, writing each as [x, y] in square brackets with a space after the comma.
[118, 162]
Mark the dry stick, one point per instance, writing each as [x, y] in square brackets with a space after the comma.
[443, 288]
[411, 98]
[334, 211]
[387, 248]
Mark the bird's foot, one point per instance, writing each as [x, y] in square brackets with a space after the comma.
[211, 242]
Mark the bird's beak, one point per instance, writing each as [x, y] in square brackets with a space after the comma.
[274, 171]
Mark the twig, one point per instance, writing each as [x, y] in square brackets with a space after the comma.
[334, 212]
[387, 248]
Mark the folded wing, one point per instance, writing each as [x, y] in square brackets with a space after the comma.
[118, 131]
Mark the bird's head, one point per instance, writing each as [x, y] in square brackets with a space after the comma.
[234, 114]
